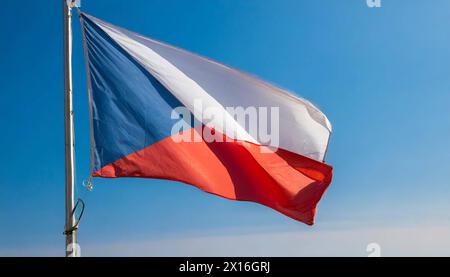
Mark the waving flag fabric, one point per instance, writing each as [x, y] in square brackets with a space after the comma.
[136, 84]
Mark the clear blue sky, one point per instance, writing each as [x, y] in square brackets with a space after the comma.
[382, 76]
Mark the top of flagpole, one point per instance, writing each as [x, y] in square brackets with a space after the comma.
[73, 3]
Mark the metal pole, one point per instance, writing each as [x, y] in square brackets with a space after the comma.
[71, 235]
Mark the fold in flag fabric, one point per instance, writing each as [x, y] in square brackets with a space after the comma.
[135, 85]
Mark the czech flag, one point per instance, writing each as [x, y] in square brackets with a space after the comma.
[145, 122]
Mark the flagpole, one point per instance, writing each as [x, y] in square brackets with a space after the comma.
[70, 231]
